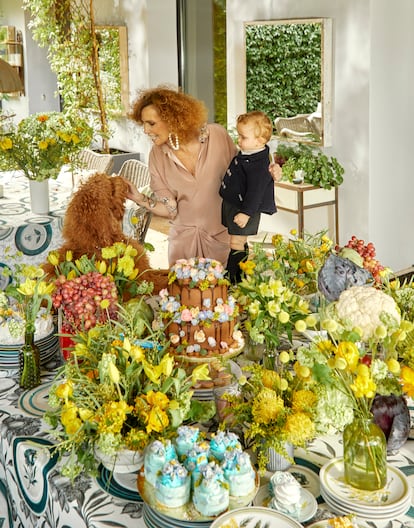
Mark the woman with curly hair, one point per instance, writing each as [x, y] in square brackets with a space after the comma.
[187, 163]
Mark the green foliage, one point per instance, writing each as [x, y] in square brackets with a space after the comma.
[67, 29]
[283, 68]
[320, 170]
[220, 79]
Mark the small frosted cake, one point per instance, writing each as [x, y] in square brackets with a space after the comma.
[238, 472]
[173, 485]
[196, 458]
[286, 492]
[211, 493]
[187, 436]
[221, 442]
[156, 455]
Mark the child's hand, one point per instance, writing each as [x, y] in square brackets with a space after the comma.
[241, 219]
[276, 171]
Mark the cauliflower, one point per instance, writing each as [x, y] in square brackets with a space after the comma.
[367, 308]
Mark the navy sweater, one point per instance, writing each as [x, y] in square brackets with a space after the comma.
[248, 183]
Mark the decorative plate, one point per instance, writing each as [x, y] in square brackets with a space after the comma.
[32, 239]
[119, 485]
[395, 492]
[157, 520]
[308, 504]
[187, 512]
[254, 517]
[36, 401]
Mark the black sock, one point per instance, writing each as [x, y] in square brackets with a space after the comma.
[235, 257]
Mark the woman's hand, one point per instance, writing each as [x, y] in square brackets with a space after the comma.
[134, 195]
[241, 219]
[276, 171]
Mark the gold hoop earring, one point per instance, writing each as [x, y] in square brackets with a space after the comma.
[174, 143]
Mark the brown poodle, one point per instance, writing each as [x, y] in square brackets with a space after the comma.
[93, 220]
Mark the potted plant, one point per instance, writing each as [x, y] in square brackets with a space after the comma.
[39, 145]
[318, 168]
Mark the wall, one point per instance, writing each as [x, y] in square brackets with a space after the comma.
[373, 75]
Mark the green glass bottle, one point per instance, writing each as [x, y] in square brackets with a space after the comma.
[29, 361]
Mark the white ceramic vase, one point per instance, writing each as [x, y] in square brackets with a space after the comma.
[39, 196]
[124, 461]
[278, 462]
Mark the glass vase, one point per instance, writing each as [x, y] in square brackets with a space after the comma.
[29, 361]
[365, 455]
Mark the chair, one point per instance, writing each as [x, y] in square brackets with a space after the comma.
[94, 161]
[298, 126]
[137, 173]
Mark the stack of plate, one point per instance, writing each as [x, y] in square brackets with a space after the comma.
[208, 394]
[155, 519]
[389, 502]
[9, 354]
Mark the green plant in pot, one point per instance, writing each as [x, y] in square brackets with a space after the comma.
[318, 168]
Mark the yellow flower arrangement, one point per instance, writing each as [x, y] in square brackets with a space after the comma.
[42, 143]
[118, 392]
[273, 408]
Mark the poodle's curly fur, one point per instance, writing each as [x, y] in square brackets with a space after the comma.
[93, 220]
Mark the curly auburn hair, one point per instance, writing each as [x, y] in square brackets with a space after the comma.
[184, 115]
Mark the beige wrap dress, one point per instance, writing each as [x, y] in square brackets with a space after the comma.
[196, 230]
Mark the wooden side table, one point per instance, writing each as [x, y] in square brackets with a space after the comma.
[297, 198]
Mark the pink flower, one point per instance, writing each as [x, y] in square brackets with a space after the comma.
[186, 315]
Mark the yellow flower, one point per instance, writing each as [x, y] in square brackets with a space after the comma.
[113, 373]
[109, 252]
[363, 384]
[6, 143]
[200, 372]
[407, 379]
[157, 399]
[69, 256]
[43, 145]
[283, 317]
[166, 365]
[300, 326]
[248, 267]
[303, 400]
[64, 390]
[53, 258]
[348, 351]
[136, 352]
[157, 420]
[270, 379]
[266, 406]
[299, 428]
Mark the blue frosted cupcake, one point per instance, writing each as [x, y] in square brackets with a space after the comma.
[221, 442]
[173, 485]
[238, 472]
[187, 436]
[156, 454]
[211, 493]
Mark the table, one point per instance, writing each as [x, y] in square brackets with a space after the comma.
[33, 493]
[298, 197]
[20, 229]
[31, 234]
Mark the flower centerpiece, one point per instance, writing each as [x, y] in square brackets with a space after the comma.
[42, 143]
[28, 298]
[119, 392]
[357, 362]
[272, 291]
[273, 409]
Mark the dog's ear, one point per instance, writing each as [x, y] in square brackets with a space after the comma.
[119, 193]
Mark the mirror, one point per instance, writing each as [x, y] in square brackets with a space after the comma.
[288, 76]
[113, 63]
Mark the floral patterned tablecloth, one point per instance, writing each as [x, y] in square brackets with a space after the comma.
[32, 234]
[33, 493]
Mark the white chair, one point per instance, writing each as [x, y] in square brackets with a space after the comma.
[137, 173]
[94, 161]
[295, 127]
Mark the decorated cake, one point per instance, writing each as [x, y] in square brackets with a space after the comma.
[156, 455]
[12, 323]
[223, 441]
[196, 312]
[238, 472]
[211, 493]
[187, 436]
[286, 492]
[173, 485]
[196, 458]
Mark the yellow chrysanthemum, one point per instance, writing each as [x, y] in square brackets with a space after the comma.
[303, 400]
[248, 267]
[299, 428]
[266, 406]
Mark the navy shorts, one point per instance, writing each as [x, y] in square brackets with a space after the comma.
[229, 211]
